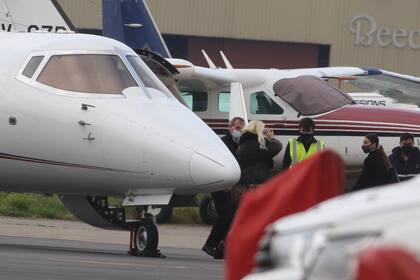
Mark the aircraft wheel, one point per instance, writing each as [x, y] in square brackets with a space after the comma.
[208, 211]
[146, 237]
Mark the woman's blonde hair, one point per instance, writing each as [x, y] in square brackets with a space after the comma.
[257, 128]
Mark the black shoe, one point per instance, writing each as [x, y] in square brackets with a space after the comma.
[219, 251]
[208, 250]
[218, 255]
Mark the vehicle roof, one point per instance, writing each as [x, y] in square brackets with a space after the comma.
[354, 205]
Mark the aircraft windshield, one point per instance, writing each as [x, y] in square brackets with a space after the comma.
[142, 72]
[310, 95]
[87, 73]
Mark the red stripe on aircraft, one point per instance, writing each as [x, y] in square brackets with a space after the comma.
[56, 163]
[378, 115]
[340, 128]
[352, 118]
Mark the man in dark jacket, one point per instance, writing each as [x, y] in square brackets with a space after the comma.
[222, 199]
[406, 158]
[235, 131]
[304, 146]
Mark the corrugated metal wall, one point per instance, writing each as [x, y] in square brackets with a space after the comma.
[253, 54]
[305, 21]
[86, 14]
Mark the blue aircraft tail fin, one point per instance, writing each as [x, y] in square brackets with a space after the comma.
[130, 22]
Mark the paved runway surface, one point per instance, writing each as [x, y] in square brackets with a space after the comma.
[37, 258]
[70, 250]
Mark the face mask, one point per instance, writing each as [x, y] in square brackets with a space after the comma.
[407, 149]
[236, 134]
[366, 149]
[306, 137]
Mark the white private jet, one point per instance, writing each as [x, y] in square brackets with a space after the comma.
[85, 118]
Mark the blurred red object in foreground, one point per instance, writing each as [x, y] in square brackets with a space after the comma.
[314, 180]
[387, 263]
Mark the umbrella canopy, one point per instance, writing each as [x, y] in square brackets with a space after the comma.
[310, 95]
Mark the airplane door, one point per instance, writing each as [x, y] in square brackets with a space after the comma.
[50, 143]
[90, 122]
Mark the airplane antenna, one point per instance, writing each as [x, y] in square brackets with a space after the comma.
[226, 61]
[209, 62]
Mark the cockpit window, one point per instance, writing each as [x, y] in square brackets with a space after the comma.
[87, 73]
[261, 103]
[32, 66]
[145, 77]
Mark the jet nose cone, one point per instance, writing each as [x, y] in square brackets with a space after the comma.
[214, 169]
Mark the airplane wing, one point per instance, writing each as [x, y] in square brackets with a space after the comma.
[34, 15]
[197, 78]
[401, 88]
[331, 72]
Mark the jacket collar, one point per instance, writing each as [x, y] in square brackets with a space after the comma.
[248, 137]
[299, 139]
[398, 154]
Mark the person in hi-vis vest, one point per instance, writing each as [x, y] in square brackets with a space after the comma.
[304, 146]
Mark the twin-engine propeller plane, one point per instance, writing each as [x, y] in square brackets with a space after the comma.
[82, 116]
[282, 97]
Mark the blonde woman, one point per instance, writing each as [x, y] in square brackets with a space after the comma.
[257, 147]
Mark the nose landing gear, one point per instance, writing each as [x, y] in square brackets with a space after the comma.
[144, 237]
[96, 211]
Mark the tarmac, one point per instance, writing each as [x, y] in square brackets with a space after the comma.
[54, 249]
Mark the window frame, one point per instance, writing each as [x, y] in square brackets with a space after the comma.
[192, 93]
[37, 67]
[218, 100]
[155, 79]
[263, 90]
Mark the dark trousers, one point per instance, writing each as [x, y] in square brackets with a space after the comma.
[225, 211]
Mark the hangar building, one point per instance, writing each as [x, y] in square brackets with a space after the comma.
[281, 34]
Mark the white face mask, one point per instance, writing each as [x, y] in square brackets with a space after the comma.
[236, 134]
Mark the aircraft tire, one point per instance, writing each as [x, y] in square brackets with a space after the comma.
[146, 237]
[207, 211]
